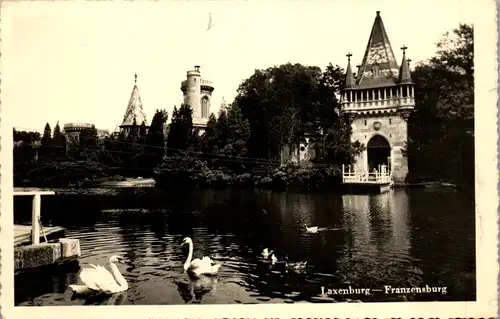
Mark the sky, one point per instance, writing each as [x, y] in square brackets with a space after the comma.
[75, 61]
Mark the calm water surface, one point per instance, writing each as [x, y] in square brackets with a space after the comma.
[402, 238]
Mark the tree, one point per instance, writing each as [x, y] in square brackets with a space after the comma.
[181, 130]
[208, 140]
[238, 135]
[441, 130]
[222, 132]
[155, 141]
[59, 142]
[143, 130]
[46, 150]
[285, 103]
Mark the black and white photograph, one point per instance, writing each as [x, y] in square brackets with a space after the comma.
[322, 153]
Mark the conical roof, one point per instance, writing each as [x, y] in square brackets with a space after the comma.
[404, 72]
[134, 108]
[349, 77]
[379, 66]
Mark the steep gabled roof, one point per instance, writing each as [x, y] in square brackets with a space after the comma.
[379, 66]
[134, 108]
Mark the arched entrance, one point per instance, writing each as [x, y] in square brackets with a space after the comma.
[378, 151]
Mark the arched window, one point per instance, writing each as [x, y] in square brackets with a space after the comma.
[204, 107]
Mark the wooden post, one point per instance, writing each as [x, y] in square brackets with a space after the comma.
[343, 173]
[35, 217]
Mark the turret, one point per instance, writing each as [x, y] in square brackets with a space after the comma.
[197, 93]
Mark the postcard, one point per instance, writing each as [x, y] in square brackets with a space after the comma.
[237, 159]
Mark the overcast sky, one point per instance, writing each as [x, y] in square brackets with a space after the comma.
[75, 61]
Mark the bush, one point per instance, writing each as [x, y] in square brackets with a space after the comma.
[243, 180]
[64, 174]
[188, 171]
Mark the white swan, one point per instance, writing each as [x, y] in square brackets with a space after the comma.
[197, 267]
[99, 280]
[266, 253]
[274, 260]
[311, 229]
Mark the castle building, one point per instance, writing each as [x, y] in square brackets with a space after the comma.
[197, 93]
[134, 115]
[379, 100]
[71, 132]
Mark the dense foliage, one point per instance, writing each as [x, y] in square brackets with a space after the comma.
[441, 131]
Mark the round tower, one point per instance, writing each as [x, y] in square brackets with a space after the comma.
[197, 94]
[72, 132]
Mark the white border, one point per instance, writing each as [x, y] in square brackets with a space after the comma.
[486, 225]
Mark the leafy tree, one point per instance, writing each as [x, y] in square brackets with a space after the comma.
[181, 130]
[222, 132]
[441, 130]
[208, 140]
[238, 135]
[285, 103]
[155, 141]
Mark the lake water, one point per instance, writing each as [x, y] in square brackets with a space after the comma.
[403, 238]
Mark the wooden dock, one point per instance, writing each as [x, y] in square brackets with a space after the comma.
[22, 234]
[36, 246]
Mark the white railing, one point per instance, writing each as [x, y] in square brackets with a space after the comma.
[36, 222]
[380, 176]
[371, 104]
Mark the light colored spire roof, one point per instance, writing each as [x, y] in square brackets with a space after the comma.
[349, 78]
[404, 72]
[379, 66]
[134, 108]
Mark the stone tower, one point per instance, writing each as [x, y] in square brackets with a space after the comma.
[135, 112]
[379, 100]
[72, 131]
[197, 94]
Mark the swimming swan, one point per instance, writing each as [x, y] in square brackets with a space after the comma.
[204, 266]
[99, 280]
[311, 229]
[266, 253]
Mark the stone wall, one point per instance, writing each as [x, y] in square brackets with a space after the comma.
[394, 129]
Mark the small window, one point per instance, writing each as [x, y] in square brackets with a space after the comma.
[390, 135]
[390, 122]
[302, 148]
[365, 122]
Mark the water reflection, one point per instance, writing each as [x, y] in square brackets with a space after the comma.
[193, 289]
[364, 241]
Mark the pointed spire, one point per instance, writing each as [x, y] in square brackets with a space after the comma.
[404, 71]
[349, 78]
[379, 66]
[134, 108]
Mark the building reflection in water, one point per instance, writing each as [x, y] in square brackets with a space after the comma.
[379, 244]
